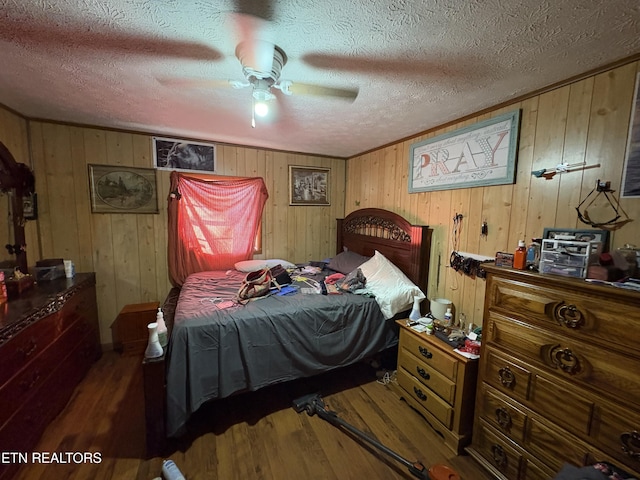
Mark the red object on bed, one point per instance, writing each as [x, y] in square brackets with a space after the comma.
[213, 222]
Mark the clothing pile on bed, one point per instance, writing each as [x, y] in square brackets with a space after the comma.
[346, 272]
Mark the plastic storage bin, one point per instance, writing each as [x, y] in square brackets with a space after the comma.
[567, 257]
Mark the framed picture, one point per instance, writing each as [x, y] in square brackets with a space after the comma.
[309, 186]
[120, 189]
[479, 155]
[172, 154]
[30, 206]
[631, 170]
[579, 235]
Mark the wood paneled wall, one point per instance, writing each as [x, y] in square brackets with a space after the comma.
[584, 121]
[128, 252]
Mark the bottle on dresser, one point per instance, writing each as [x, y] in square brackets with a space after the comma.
[520, 256]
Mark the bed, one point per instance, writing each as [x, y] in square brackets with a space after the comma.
[215, 353]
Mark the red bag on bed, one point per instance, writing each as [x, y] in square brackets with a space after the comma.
[255, 284]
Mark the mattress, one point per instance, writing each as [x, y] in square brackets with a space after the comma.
[218, 350]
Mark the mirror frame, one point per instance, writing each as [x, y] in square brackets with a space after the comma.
[16, 178]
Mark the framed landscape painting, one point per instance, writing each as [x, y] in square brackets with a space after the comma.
[120, 189]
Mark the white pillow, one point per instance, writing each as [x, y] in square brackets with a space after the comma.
[392, 289]
[254, 265]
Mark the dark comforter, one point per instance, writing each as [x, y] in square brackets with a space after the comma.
[217, 352]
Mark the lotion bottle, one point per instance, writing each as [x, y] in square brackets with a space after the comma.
[154, 349]
[170, 471]
[448, 318]
[162, 328]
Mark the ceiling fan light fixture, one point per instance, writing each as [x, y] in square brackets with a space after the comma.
[262, 94]
[261, 109]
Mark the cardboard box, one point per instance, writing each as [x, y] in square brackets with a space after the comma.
[129, 330]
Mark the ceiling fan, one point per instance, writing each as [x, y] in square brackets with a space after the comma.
[262, 64]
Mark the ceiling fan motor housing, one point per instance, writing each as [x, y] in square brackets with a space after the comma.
[255, 68]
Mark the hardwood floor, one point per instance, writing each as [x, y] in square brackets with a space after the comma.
[254, 435]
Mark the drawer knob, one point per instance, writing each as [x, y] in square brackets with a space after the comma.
[424, 352]
[29, 348]
[565, 360]
[499, 456]
[503, 418]
[506, 377]
[631, 444]
[570, 316]
[423, 373]
[420, 394]
[28, 384]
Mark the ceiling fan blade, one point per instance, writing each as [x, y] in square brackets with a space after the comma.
[201, 83]
[320, 91]
[454, 66]
[52, 37]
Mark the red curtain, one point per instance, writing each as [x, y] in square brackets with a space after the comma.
[213, 222]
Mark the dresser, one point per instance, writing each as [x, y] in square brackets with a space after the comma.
[559, 376]
[49, 338]
[439, 383]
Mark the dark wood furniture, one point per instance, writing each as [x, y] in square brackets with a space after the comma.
[439, 383]
[362, 231]
[18, 179]
[559, 380]
[129, 330]
[49, 338]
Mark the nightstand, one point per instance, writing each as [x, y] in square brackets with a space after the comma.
[439, 383]
[129, 330]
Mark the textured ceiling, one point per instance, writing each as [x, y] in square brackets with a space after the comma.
[415, 63]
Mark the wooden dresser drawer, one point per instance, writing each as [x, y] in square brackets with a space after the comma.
[616, 431]
[560, 375]
[429, 354]
[439, 383]
[501, 412]
[587, 317]
[16, 391]
[532, 470]
[28, 344]
[553, 446]
[426, 398]
[497, 451]
[505, 375]
[605, 371]
[428, 376]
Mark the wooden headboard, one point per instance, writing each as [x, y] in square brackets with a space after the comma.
[406, 246]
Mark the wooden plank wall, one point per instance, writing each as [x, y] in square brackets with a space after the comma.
[587, 120]
[584, 121]
[128, 251]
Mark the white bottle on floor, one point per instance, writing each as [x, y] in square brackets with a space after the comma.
[170, 471]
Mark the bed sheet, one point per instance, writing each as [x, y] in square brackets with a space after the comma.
[215, 353]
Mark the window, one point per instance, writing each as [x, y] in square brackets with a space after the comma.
[213, 222]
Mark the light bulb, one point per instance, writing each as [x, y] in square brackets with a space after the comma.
[261, 109]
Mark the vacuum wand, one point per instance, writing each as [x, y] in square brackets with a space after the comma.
[313, 404]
